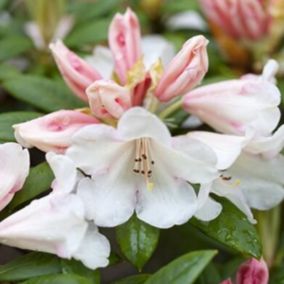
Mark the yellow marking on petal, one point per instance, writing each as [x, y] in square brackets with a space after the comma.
[85, 110]
[150, 186]
[156, 72]
[136, 74]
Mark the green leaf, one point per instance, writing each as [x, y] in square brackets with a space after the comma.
[30, 265]
[210, 275]
[232, 229]
[12, 46]
[42, 93]
[59, 279]
[137, 241]
[184, 269]
[8, 71]
[135, 279]
[76, 267]
[8, 119]
[38, 181]
[88, 33]
[277, 275]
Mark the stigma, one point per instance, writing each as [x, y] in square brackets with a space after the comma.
[143, 163]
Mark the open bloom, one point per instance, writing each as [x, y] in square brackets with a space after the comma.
[251, 272]
[52, 132]
[252, 167]
[56, 223]
[139, 167]
[14, 168]
[235, 106]
[240, 19]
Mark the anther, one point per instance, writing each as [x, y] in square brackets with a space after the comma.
[144, 156]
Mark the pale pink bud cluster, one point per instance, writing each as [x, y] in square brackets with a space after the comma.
[185, 71]
[241, 19]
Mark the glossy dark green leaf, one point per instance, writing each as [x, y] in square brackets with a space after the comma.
[184, 269]
[30, 265]
[76, 267]
[210, 275]
[88, 33]
[14, 45]
[38, 181]
[8, 119]
[135, 279]
[59, 279]
[137, 241]
[232, 229]
[42, 93]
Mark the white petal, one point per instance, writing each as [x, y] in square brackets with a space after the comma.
[269, 146]
[53, 224]
[65, 172]
[111, 197]
[231, 191]
[209, 211]
[102, 60]
[156, 47]
[190, 159]
[94, 249]
[138, 122]
[261, 180]
[14, 168]
[95, 148]
[170, 202]
[226, 147]
[187, 20]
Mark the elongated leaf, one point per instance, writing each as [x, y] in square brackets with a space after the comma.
[76, 267]
[59, 279]
[88, 33]
[184, 269]
[30, 265]
[42, 93]
[277, 275]
[232, 229]
[8, 119]
[137, 241]
[38, 181]
[135, 279]
[14, 45]
[8, 71]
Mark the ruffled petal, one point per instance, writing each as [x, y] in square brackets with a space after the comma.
[94, 249]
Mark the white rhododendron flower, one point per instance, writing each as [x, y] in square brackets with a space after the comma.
[139, 167]
[56, 223]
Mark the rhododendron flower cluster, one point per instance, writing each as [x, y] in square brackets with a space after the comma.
[117, 156]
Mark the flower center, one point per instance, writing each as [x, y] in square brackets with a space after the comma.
[143, 163]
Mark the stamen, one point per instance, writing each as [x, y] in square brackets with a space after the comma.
[143, 163]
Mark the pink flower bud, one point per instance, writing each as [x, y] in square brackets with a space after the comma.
[228, 281]
[77, 73]
[253, 272]
[14, 162]
[234, 106]
[238, 18]
[52, 132]
[185, 70]
[108, 99]
[124, 42]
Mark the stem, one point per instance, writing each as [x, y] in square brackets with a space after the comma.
[269, 230]
[170, 109]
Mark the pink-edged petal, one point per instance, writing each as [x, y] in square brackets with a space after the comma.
[53, 131]
[77, 73]
[94, 249]
[53, 224]
[14, 168]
